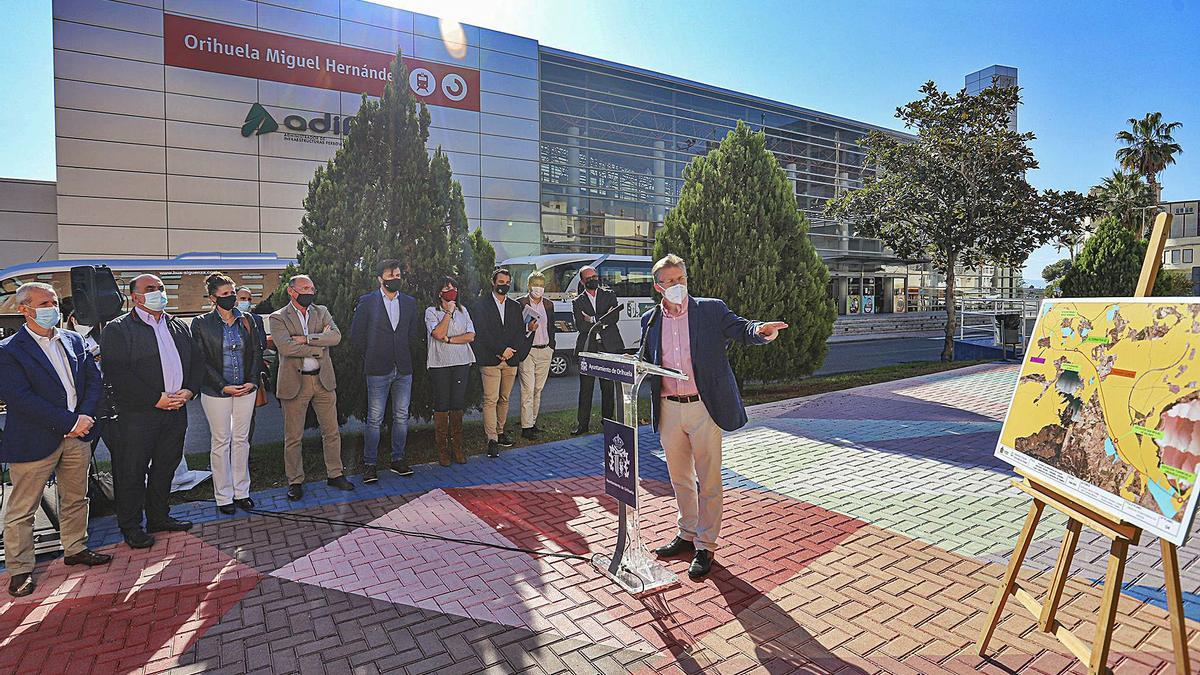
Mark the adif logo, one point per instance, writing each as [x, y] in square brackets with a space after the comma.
[618, 458]
[259, 121]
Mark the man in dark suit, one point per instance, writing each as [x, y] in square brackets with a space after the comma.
[53, 391]
[385, 329]
[500, 345]
[596, 318]
[690, 335]
[152, 369]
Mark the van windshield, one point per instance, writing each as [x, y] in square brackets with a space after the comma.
[520, 276]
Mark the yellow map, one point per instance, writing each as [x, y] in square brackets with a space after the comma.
[1108, 407]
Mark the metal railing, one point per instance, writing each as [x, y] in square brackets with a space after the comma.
[978, 317]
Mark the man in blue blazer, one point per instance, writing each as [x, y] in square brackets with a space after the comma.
[52, 387]
[386, 328]
[690, 335]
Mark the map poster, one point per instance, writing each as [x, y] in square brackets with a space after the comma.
[1107, 408]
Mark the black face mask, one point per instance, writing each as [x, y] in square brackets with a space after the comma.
[392, 285]
[592, 283]
[305, 299]
[502, 289]
[228, 302]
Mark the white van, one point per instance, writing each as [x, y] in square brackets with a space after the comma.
[627, 275]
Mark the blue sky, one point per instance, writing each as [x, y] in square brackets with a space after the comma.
[1085, 67]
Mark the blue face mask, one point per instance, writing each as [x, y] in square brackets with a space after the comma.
[156, 301]
[47, 317]
[243, 306]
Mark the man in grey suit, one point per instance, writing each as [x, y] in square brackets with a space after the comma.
[303, 332]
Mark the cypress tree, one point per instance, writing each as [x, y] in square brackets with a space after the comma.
[737, 226]
[383, 195]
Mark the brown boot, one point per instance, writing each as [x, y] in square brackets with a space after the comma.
[456, 438]
[441, 429]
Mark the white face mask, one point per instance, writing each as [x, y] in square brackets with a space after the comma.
[536, 292]
[676, 295]
[156, 301]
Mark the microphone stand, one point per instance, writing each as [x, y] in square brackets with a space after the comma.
[587, 344]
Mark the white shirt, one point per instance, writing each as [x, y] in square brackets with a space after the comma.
[500, 307]
[592, 296]
[310, 364]
[393, 308]
[542, 335]
[56, 353]
[168, 353]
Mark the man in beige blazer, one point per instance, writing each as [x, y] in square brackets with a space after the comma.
[303, 333]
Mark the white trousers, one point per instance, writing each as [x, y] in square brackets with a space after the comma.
[533, 372]
[229, 423]
[692, 443]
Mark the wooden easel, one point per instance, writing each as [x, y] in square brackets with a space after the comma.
[1122, 534]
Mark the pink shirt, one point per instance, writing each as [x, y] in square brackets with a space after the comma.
[168, 354]
[677, 354]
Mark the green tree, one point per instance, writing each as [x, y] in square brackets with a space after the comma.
[383, 195]
[1173, 283]
[958, 195]
[1125, 196]
[1111, 263]
[478, 278]
[1056, 270]
[1149, 148]
[737, 226]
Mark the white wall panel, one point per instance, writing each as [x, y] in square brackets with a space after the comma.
[281, 170]
[302, 24]
[504, 188]
[377, 15]
[207, 137]
[107, 41]
[326, 7]
[453, 118]
[512, 85]
[181, 161]
[27, 196]
[212, 191]
[283, 245]
[453, 141]
[374, 37]
[87, 240]
[110, 14]
[285, 195]
[107, 70]
[433, 49]
[515, 148]
[107, 98]
[432, 26]
[109, 127]
[277, 145]
[212, 217]
[212, 85]
[501, 125]
[298, 97]
[472, 207]
[508, 63]
[241, 12]
[503, 209]
[470, 185]
[203, 110]
[281, 220]
[123, 212]
[506, 42]
[124, 184]
[503, 167]
[28, 227]
[190, 241]
[103, 155]
[513, 106]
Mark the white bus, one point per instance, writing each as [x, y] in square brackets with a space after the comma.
[627, 275]
[183, 276]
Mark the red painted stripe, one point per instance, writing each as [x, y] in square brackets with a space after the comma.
[1123, 373]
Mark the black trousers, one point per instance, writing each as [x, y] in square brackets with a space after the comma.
[147, 448]
[587, 388]
[449, 387]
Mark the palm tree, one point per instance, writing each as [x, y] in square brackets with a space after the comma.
[1125, 196]
[1149, 148]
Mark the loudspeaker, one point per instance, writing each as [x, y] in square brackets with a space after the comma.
[95, 293]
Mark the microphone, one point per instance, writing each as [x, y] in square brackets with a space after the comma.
[587, 344]
[657, 312]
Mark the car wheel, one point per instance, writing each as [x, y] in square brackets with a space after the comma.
[558, 365]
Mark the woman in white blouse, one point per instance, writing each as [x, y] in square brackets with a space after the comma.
[450, 357]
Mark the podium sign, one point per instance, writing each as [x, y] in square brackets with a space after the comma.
[630, 564]
[620, 462]
[617, 371]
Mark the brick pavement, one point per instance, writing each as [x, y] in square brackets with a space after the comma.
[864, 532]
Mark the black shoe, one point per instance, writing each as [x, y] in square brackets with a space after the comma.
[370, 475]
[88, 557]
[678, 545]
[538, 429]
[340, 483]
[493, 450]
[701, 564]
[227, 509]
[295, 491]
[401, 469]
[504, 441]
[244, 504]
[578, 430]
[169, 525]
[138, 539]
[21, 585]
[530, 434]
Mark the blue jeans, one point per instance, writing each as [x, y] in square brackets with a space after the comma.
[378, 388]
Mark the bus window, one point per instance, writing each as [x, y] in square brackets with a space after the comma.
[559, 277]
[641, 283]
[520, 277]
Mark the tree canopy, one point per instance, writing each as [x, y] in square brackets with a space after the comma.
[1149, 147]
[957, 195]
[737, 226]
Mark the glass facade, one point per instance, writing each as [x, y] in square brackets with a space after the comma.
[614, 144]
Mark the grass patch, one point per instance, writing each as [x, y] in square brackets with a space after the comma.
[266, 460]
